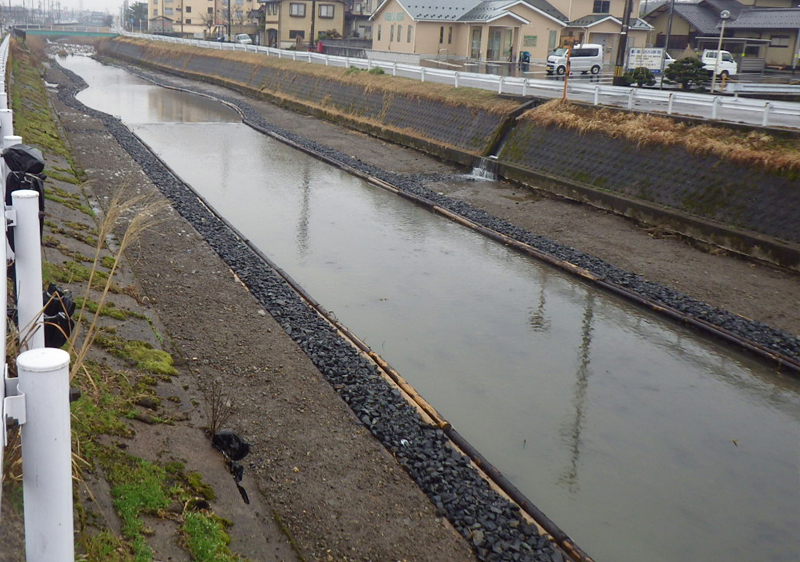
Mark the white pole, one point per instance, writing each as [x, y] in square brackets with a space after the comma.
[28, 265]
[46, 455]
[3, 101]
[7, 125]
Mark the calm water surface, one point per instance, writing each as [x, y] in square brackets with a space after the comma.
[640, 439]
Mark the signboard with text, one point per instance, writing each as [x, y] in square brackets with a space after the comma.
[648, 58]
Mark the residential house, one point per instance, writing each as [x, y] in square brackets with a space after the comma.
[757, 35]
[498, 30]
[302, 22]
[357, 22]
[204, 18]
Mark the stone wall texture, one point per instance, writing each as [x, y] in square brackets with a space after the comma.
[670, 178]
[741, 197]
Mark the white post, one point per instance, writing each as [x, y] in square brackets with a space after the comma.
[46, 455]
[765, 120]
[3, 101]
[28, 265]
[596, 95]
[7, 125]
[715, 107]
[327, 60]
[669, 102]
[500, 85]
[525, 87]
[394, 69]
[422, 74]
[631, 96]
[455, 79]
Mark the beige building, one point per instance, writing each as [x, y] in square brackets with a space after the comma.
[767, 34]
[300, 23]
[202, 18]
[498, 30]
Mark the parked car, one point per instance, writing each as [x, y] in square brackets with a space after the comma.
[583, 58]
[727, 66]
[243, 38]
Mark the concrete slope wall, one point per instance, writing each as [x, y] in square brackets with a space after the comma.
[466, 130]
[704, 186]
[744, 209]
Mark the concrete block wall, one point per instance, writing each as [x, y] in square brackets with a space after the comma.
[466, 130]
[705, 186]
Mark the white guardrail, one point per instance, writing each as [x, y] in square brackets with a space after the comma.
[38, 397]
[716, 107]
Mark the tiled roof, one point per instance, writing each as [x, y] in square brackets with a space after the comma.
[702, 18]
[594, 19]
[441, 10]
[766, 18]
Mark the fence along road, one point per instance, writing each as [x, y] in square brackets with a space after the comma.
[749, 111]
[38, 397]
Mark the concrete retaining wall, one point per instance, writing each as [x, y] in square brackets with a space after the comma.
[743, 209]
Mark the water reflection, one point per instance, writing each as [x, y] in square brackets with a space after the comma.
[572, 433]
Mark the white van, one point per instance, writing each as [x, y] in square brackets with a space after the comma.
[584, 58]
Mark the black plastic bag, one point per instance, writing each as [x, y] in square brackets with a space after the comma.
[58, 310]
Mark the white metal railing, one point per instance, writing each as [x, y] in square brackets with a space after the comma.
[38, 398]
[716, 107]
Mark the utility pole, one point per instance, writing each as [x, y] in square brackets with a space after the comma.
[622, 48]
[229, 20]
[312, 41]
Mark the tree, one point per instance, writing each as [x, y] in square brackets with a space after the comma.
[688, 72]
[641, 76]
[136, 16]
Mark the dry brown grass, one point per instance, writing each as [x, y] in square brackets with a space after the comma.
[752, 148]
[468, 98]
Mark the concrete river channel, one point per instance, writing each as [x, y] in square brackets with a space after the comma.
[639, 438]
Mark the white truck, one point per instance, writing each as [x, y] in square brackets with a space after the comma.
[726, 66]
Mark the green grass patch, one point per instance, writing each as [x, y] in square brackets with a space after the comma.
[66, 178]
[139, 353]
[109, 310]
[207, 539]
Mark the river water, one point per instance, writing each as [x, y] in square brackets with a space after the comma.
[641, 439]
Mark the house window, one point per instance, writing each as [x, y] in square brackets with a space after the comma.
[399, 33]
[326, 10]
[167, 11]
[188, 9]
[391, 33]
[188, 21]
[379, 32]
[449, 35]
[239, 14]
[601, 6]
[155, 11]
[239, 2]
[409, 33]
[368, 6]
[294, 34]
[779, 41]
[441, 34]
[297, 10]
[211, 10]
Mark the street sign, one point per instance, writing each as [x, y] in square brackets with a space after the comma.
[648, 58]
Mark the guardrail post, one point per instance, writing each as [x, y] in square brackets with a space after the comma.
[46, 455]
[6, 124]
[421, 73]
[767, 108]
[597, 95]
[631, 96]
[28, 266]
[394, 69]
[327, 60]
[525, 87]
[670, 99]
[500, 85]
[3, 100]
[715, 107]
[455, 79]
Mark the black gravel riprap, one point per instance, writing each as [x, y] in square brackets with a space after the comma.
[493, 525]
